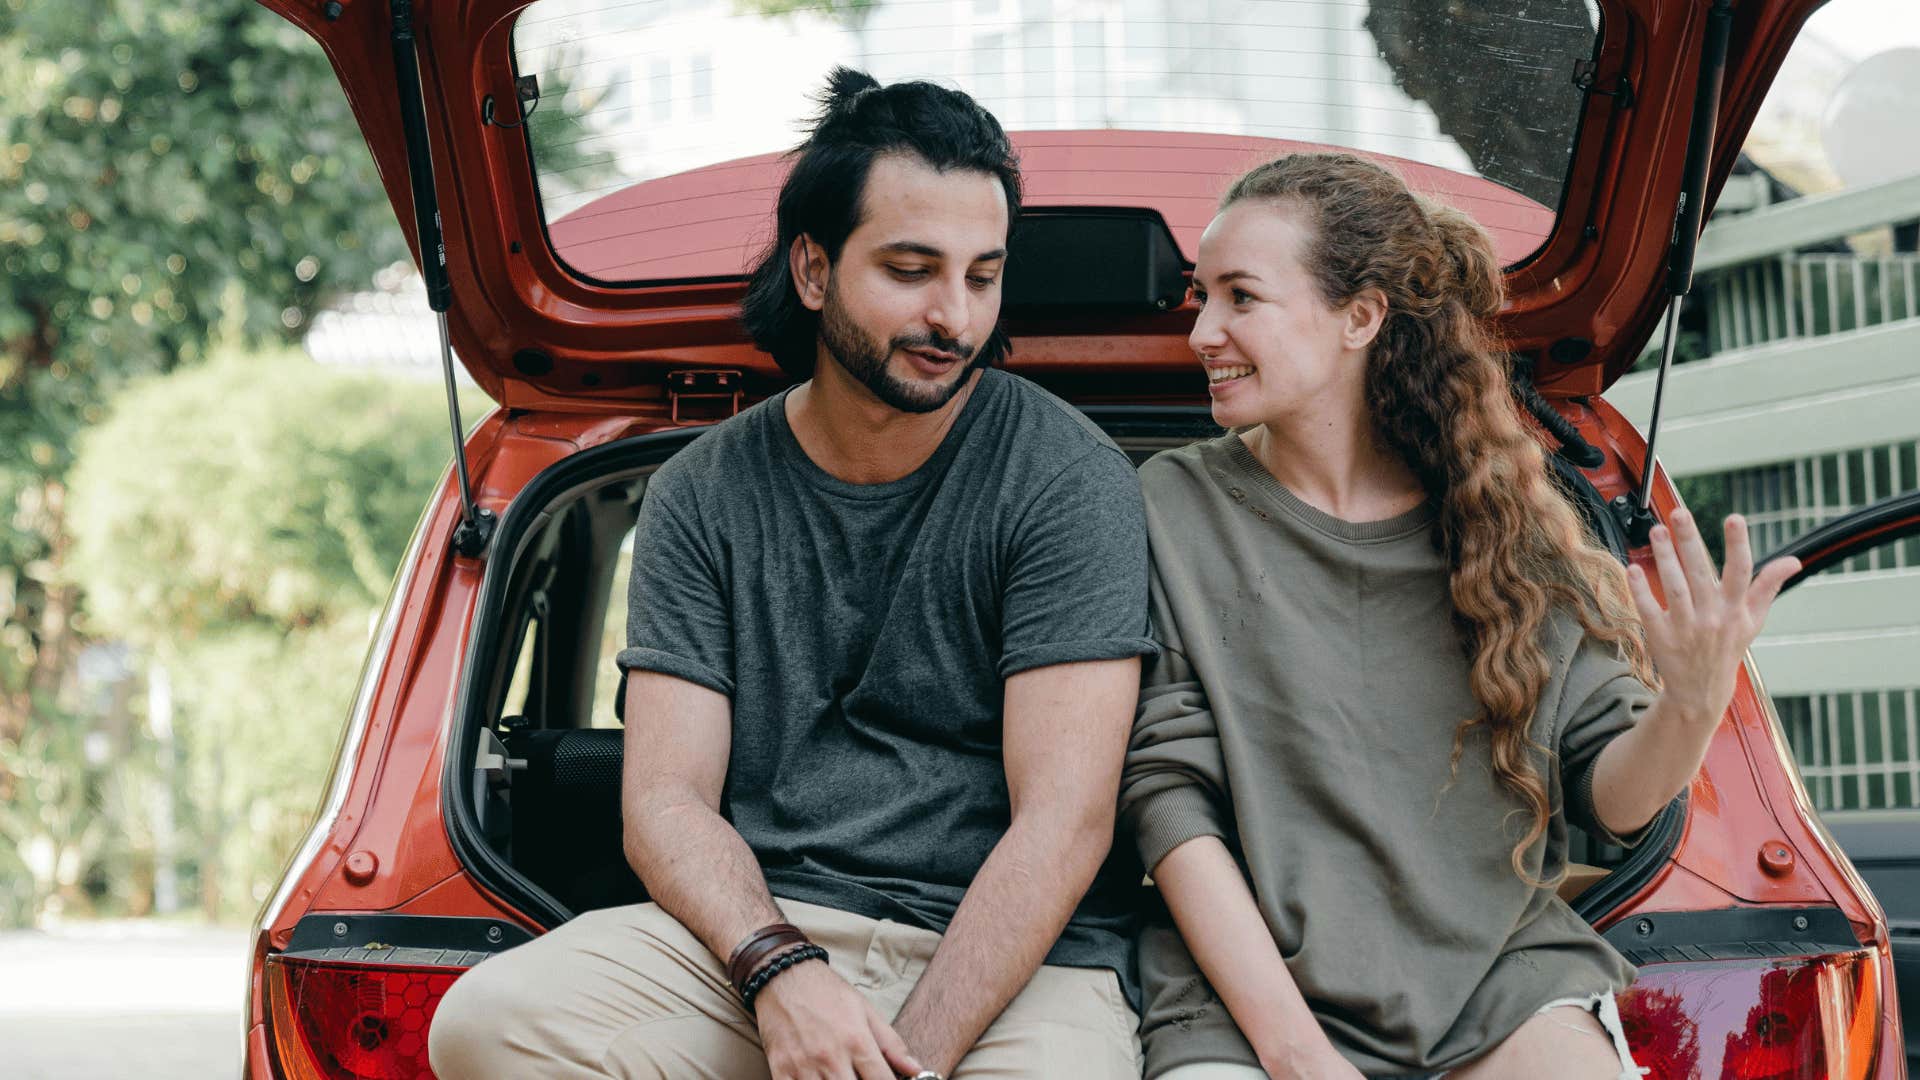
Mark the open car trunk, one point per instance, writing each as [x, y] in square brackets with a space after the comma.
[534, 770]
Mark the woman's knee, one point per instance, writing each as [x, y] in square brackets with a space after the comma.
[1566, 1042]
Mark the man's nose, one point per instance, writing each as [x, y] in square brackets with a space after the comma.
[947, 308]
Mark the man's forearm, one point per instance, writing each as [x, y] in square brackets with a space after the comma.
[698, 869]
[1012, 914]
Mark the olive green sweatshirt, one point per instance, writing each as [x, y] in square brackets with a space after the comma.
[1303, 709]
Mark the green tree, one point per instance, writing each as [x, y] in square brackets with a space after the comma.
[167, 173]
[1498, 76]
[249, 559]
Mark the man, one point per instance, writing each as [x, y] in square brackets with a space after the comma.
[884, 651]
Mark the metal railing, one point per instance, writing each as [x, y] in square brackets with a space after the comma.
[1811, 267]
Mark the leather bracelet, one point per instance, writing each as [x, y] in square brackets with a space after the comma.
[759, 945]
[760, 978]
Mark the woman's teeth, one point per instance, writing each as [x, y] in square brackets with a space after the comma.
[1217, 375]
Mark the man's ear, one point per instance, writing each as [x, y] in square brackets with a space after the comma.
[1365, 314]
[810, 267]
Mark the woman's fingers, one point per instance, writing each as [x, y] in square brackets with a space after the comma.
[1738, 573]
[1767, 585]
[1652, 615]
[1702, 582]
[1673, 579]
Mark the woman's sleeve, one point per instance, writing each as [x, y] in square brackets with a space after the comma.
[1174, 787]
[1600, 699]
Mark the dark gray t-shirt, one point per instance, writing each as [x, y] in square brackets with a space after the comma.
[864, 631]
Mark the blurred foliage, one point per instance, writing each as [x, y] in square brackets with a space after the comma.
[1710, 499]
[289, 512]
[1498, 76]
[259, 714]
[248, 558]
[848, 12]
[169, 174]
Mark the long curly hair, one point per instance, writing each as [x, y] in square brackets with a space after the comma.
[1438, 392]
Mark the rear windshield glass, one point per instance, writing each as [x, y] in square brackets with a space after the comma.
[637, 90]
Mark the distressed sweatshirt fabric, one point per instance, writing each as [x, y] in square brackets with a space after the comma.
[1303, 710]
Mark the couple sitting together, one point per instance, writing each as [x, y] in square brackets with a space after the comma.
[922, 675]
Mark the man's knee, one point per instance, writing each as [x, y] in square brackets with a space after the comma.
[470, 1028]
[556, 1005]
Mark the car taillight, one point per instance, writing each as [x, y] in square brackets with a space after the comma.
[335, 1021]
[1798, 1018]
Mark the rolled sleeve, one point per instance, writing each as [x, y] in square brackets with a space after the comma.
[1601, 700]
[1170, 817]
[679, 616]
[1076, 582]
[1173, 787]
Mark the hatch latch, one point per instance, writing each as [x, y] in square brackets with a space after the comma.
[704, 394]
[1586, 77]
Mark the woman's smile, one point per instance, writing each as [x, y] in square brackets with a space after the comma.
[1221, 375]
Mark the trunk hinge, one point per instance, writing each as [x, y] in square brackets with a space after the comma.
[721, 385]
[1635, 512]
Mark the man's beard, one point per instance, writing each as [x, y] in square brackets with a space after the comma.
[866, 359]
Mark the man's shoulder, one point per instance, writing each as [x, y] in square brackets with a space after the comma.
[1045, 427]
[734, 451]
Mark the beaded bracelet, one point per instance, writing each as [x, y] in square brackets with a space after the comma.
[766, 942]
[759, 979]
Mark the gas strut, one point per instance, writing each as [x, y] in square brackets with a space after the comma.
[1635, 512]
[476, 524]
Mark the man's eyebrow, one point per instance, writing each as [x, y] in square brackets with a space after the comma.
[912, 247]
[915, 247]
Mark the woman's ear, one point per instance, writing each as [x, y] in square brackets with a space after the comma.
[1365, 314]
[808, 262]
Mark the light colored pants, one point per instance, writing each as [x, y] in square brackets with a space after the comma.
[1602, 1006]
[629, 992]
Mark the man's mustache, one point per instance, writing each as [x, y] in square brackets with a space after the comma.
[936, 343]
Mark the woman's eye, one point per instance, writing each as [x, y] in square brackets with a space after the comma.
[1199, 297]
[1241, 296]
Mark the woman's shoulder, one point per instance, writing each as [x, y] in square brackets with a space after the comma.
[1183, 473]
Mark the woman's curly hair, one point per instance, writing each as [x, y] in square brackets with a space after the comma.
[1438, 393]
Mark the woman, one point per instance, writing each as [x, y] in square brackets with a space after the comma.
[1394, 669]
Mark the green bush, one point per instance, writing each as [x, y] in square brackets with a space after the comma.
[237, 522]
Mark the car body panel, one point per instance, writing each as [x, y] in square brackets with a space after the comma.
[1179, 175]
[395, 808]
[1596, 279]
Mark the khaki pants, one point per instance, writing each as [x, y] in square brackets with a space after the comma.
[629, 992]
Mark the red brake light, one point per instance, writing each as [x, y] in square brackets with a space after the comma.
[334, 1021]
[1799, 1018]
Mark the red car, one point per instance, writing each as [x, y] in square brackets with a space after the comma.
[474, 803]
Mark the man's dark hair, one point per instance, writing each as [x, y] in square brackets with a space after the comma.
[859, 122]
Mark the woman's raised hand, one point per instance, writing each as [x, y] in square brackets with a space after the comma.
[1696, 640]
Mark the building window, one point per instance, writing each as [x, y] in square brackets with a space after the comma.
[660, 88]
[1785, 500]
[702, 98]
[1857, 750]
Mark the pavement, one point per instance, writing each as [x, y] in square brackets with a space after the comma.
[127, 999]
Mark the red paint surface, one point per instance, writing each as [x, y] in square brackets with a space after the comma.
[1623, 181]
